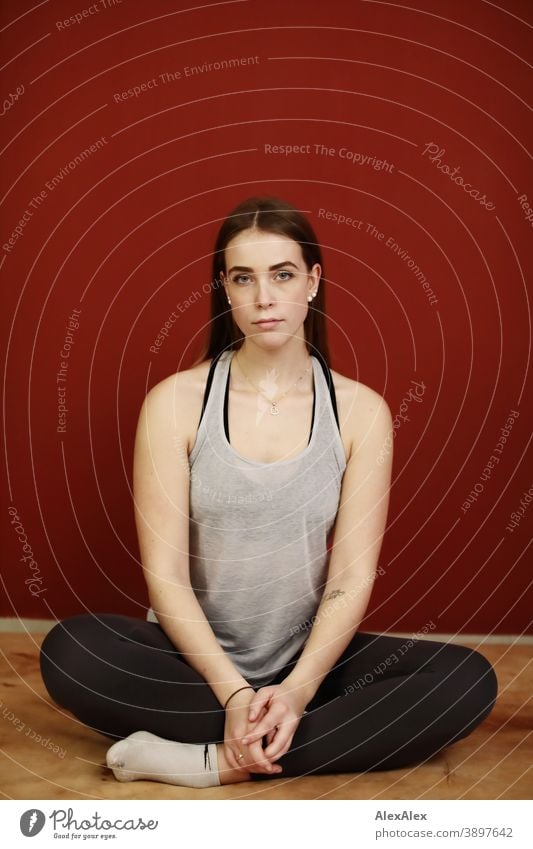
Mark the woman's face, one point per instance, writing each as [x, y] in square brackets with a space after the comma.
[266, 277]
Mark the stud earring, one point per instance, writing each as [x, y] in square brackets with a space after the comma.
[222, 283]
[310, 297]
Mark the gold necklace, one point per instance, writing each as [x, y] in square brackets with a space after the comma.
[274, 411]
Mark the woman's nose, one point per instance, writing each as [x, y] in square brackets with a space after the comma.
[264, 294]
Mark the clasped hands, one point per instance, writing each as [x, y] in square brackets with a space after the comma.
[273, 711]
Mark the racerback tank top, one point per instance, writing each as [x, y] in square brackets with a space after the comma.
[258, 531]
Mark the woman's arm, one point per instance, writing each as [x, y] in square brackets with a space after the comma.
[359, 530]
[161, 476]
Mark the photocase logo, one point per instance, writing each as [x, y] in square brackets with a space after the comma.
[31, 822]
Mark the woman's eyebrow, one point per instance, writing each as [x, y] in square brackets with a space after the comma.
[271, 267]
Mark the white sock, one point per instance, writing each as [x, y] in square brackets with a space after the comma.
[144, 756]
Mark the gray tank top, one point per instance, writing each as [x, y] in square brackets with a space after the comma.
[258, 533]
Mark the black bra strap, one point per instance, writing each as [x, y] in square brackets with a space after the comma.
[331, 386]
[313, 423]
[327, 374]
[226, 423]
[209, 381]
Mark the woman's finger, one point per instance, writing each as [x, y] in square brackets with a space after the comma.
[278, 749]
[258, 757]
[231, 759]
[282, 741]
[239, 763]
[257, 727]
[270, 736]
[268, 722]
[258, 717]
[259, 701]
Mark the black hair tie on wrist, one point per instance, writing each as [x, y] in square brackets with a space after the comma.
[248, 687]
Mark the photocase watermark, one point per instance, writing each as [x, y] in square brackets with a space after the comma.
[27, 215]
[392, 245]
[269, 389]
[220, 497]
[62, 373]
[340, 218]
[391, 660]
[181, 307]
[32, 822]
[37, 200]
[415, 393]
[435, 155]
[366, 160]
[28, 558]
[11, 99]
[66, 169]
[64, 819]
[526, 208]
[492, 462]
[186, 72]
[369, 229]
[518, 514]
[30, 733]
[88, 12]
[330, 607]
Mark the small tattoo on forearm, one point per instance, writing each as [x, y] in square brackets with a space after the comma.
[333, 594]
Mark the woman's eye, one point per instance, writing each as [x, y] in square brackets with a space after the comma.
[246, 277]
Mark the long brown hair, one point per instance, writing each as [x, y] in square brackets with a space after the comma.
[271, 215]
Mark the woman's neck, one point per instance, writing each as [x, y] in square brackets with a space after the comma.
[287, 363]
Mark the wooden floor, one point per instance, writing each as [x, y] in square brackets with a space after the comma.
[46, 753]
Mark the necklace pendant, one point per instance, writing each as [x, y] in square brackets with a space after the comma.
[273, 409]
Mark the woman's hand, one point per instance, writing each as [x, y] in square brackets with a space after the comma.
[274, 711]
[237, 724]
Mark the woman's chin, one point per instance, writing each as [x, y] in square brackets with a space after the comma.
[269, 338]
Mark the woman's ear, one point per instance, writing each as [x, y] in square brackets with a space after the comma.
[226, 287]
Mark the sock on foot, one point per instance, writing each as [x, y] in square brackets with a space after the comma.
[144, 756]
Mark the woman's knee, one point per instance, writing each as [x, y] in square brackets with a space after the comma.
[61, 637]
[60, 656]
[470, 687]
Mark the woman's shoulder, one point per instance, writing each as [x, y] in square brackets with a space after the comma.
[179, 397]
[359, 406]
[185, 380]
[355, 390]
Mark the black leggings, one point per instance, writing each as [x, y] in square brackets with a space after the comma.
[388, 701]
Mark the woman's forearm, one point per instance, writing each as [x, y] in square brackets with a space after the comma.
[338, 616]
[183, 621]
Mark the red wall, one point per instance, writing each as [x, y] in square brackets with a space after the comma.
[125, 236]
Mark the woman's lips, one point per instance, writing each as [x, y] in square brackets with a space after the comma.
[267, 325]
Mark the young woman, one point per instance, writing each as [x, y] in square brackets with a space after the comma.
[261, 491]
